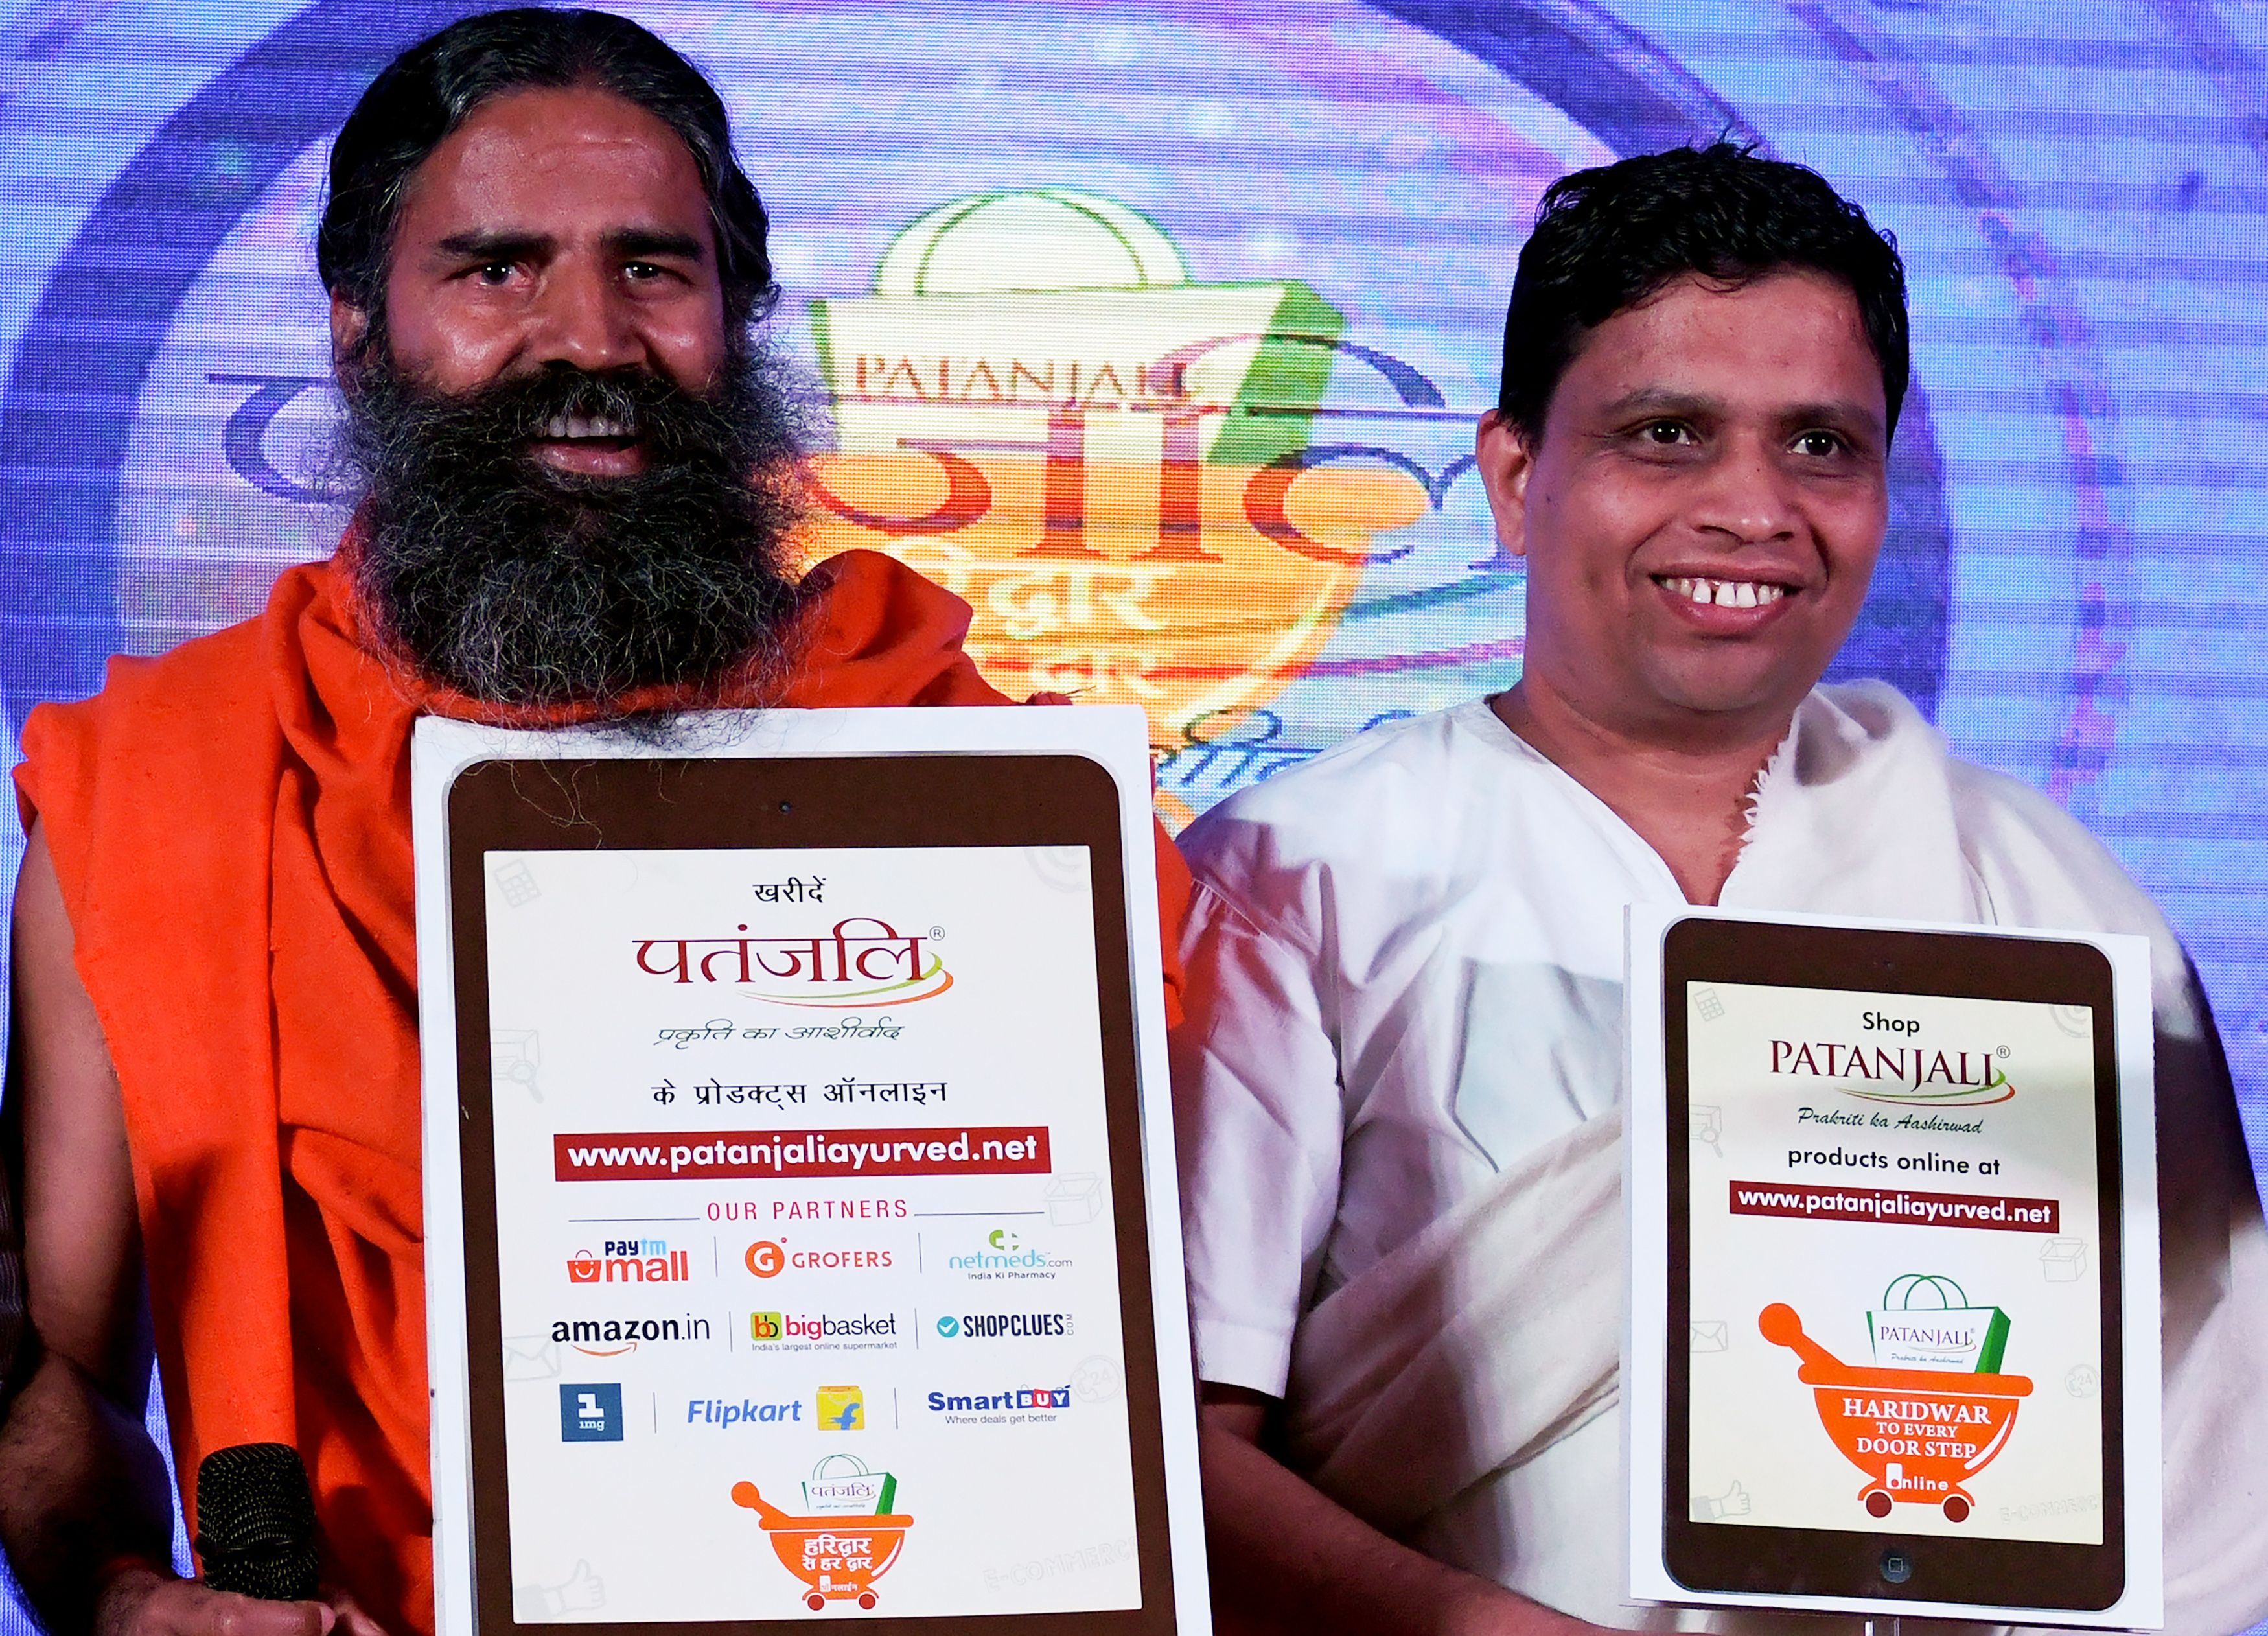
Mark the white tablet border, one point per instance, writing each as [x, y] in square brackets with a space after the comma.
[1645, 1187]
[1116, 737]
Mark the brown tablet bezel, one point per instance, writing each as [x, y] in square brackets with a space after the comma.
[838, 801]
[1833, 1562]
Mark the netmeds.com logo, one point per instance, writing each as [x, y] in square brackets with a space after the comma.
[1004, 1252]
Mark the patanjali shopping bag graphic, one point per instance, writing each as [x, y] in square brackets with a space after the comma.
[848, 1536]
[1920, 1436]
[1926, 1323]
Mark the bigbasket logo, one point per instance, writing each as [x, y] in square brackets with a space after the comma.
[860, 962]
[624, 1263]
[611, 1337]
[800, 1331]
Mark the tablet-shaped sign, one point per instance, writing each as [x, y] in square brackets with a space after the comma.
[812, 1263]
[1898, 1307]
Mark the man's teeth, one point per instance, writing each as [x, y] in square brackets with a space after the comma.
[1727, 593]
[585, 426]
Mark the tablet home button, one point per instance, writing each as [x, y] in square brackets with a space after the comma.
[1898, 1567]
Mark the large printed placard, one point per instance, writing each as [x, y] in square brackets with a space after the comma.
[808, 1199]
[796, 1247]
[1893, 1333]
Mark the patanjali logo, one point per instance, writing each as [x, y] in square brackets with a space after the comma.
[861, 962]
[1914, 1075]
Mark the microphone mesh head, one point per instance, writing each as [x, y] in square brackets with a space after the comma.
[256, 1521]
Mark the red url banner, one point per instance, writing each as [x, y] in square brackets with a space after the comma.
[740, 1155]
[1895, 1204]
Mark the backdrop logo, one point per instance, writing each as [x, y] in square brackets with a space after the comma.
[1039, 407]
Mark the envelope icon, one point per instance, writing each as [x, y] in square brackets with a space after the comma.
[530, 1358]
[1711, 1335]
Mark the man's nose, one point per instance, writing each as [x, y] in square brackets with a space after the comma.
[1747, 492]
[584, 318]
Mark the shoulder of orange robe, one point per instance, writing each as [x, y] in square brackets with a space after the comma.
[870, 631]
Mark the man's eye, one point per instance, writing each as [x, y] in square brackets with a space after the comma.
[493, 274]
[1818, 443]
[1664, 434]
[641, 272]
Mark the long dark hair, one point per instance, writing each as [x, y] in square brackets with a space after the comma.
[432, 88]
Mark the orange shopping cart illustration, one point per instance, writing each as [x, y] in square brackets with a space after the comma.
[837, 1557]
[1918, 1434]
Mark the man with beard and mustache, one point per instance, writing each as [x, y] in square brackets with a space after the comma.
[577, 492]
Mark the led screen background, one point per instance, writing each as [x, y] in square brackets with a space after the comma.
[1251, 264]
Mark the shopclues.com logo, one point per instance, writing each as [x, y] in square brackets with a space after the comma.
[862, 962]
[742, 1155]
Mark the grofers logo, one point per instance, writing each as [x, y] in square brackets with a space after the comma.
[590, 1413]
[1034, 1401]
[768, 1258]
[1006, 1254]
[983, 1326]
[1915, 1076]
[630, 1261]
[806, 1330]
[862, 962]
[611, 1337]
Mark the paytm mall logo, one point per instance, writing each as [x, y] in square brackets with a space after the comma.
[630, 1261]
[862, 962]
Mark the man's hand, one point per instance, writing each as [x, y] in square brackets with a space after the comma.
[140, 1601]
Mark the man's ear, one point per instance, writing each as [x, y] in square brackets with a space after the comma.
[1505, 459]
[350, 324]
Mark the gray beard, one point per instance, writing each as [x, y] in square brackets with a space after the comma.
[514, 583]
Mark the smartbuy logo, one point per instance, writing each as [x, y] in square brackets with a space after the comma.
[1008, 1407]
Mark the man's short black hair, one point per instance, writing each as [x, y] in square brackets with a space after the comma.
[1606, 238]
[432, 88]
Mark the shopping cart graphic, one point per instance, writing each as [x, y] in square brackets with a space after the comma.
[1918, 1434]
[837, 1557]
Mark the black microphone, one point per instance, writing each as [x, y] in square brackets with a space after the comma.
[256, 1522]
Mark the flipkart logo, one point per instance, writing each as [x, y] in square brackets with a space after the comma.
[843, 1408]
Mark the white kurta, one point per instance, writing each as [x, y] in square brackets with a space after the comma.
[1396, 1091]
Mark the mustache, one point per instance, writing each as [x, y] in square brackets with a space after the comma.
[516, 583]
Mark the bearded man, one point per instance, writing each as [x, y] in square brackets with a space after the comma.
[578, 491]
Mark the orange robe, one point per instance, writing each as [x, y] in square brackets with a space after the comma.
[231, 826]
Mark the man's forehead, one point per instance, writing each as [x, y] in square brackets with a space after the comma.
[1788, 338]
[543, 160]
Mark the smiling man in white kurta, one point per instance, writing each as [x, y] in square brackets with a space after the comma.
[1398, 1079]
